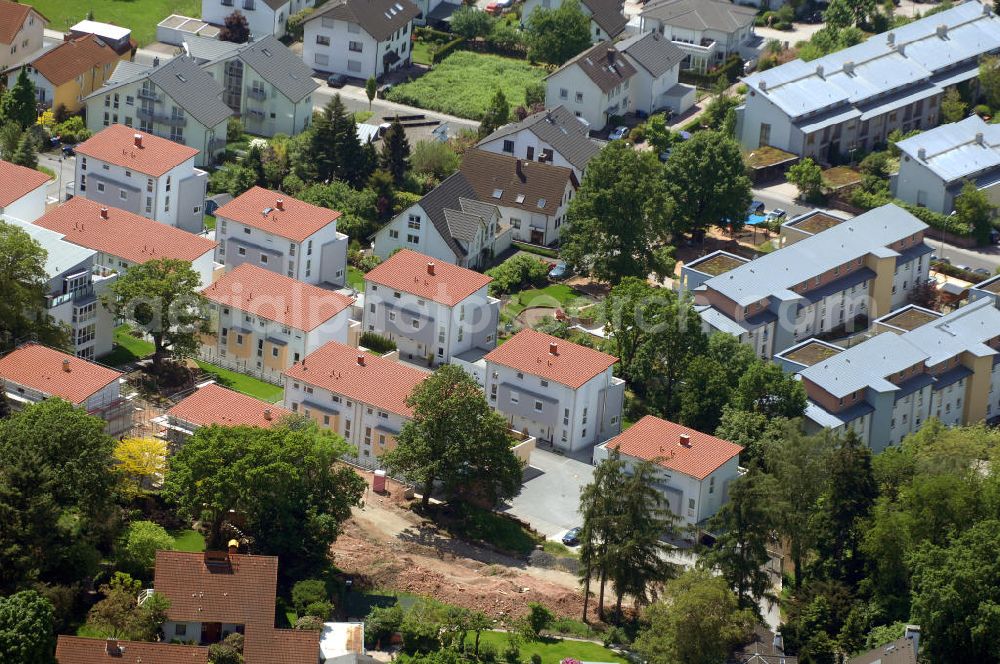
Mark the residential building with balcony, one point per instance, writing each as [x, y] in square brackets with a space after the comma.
[594, 85]
[21, 31]
[266, 18]
[284, 235]
[707, 31]
[23, 195]
[990, 288]
[553, 136]
[432, 310]
[31, 373]
[656, 84]
[123, 239]
[261, 322]
[214, 404]
[557, 391]
[265, 84]
[359, 38]
[850, 101]
[693, 470]
[358, 395]
[921, 364]
[449, 224]
[856, 270]
[607, 18]
[177, 100]
[144, 174]
[73, 292]
[532, 197]
[936, 164]
[67, 73]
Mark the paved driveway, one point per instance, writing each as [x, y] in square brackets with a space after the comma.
[550, 497]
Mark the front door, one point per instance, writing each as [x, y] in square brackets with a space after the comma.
[211, 632]
[537, 237]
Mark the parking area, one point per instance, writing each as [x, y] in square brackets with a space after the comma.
[550, 497]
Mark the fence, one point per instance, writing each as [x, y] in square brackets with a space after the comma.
[272, 376]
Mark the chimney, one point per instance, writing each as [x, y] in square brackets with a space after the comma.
[922, 154]
[942, 31]
[361, 359]
[890, 38]
[913, 632]
[778, 644]
[979, 138]
[553, 348]
[519, 169]
[267, 414]
[112, 648]
[234, 547]
[685, 440]
[763, 86]
[849, 67]
[819, 70]
[104, 213]
[280, 204]
[66, 366]
[430, 269]
[137, 139]
[611, 55]
[901, 49]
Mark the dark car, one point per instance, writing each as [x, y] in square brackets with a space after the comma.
[336, 80]
[572, 537]
[68, 151]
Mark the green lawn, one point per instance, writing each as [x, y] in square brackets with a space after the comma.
[242, 382]
[421, 52]
[361, 116]
[464, 83]
[127, 349]
[355, 278]
[552, 651]
[209, 222]
[188, 540]
[139, 15]
[552, 295]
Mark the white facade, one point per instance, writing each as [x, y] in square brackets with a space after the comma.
[525, 144]
[342, 47]
[597, 34]
[703, 48]
[263, 108]
[27, 40]
[572, 88]
[184, 631]
[204, 265]
[176, 198]
[265, 17]
[29, 207]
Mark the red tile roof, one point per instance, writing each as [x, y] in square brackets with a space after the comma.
[572, 365]
[276, 297]
[214, 404]
[116, 145]
[18, 181]
[659, 441]
[123, 234]
[74, 58]
[76, 650]
[12, 17]
[410, 272]
[382, 383]
[296, 220]
[40, 368]
[281, 646]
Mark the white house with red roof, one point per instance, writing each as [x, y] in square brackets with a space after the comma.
[262, 322]
[21, 32]
[284, 235]
[33, 373]
[123, 239]
[433, 310]
[151, 176]
[23, 193]
[214, 404]
[357, 394]
[555, 390]
[694, 469]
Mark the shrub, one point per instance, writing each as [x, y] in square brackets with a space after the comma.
[539, 618]
[234, 130]
[321, 609]
[435, 158]
[142, 540]
[377, 343]
[72, 130]
[309, 623]
[420, 635]
[296, 23]
[307, 592]
[517, 272]
[982, 110]
[446, 50]
[381, 624]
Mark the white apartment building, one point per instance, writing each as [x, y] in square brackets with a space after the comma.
[356, 394]
[33, 373]
[594, 85]
[265, 18]
[74, 290]
[177, 100]
[707, 31]
[693, 469]
[283, 235]
[23, 193]
[432, 310]
[144, 174]
[359, 38]
[123, 239]
[21, 31]
[656, 84]
[557, 391]
[261, 322]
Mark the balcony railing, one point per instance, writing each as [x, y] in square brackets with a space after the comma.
[257, 93]
[53, 301]
[162, 118]
[148, 94]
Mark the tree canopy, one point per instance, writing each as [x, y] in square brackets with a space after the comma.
[18, 103]
[27, 635]
[24, 284]
[556, 35]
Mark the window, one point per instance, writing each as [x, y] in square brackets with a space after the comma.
[765, 134]
[100, 186]
[242, 251]
[248, 5]
[413, 222]
[394, 234]
[274, 353]
[263, 259]
[180, 629]
[690, 503]
[538, 406]
[508, 146]
[579, 97]
[354, 46]
[515, 397]
[122, 194]
[322, 40]
[354, 65]
[413, 239]
[545, 383]
[321, 59]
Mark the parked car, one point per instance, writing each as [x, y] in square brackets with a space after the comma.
[336, 80]
[964, 268]
[776, 214]
[572, 537]
[618, 134]
[68, 151]
[983, 272]
[559, 271]
[756, 207]
[384, 90]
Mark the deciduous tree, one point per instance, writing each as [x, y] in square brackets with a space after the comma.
[711, 379]
[235, 28]
[764, 388]
[989, 79]
[470, 22]
[371, 89]
[807, 176]
[973, 208]
[141, 542]
[24, 284]
[953, 108]
[26, 628]
[434, 158]
[556, 35]
[119, 616]
[140, 462]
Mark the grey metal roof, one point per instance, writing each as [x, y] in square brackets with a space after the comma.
[279, 66]
[602, 65]
[962, 330]
[654, 52]
[559, 128]
[966, 149]
[124, 72]
[909, 59]
[785, 268]
[61, 254]
[702, 14]
[825, 418]
[204, 49]
[379, 18]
